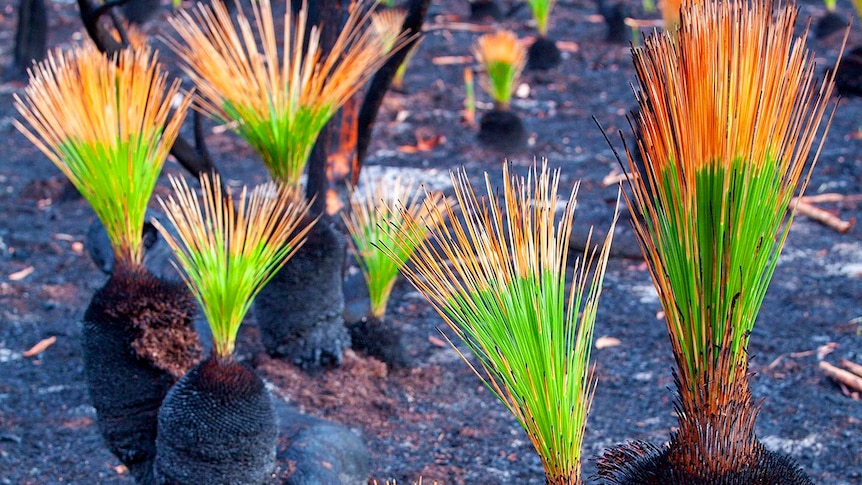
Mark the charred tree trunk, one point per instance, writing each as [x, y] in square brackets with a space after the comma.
[382, 80]
[31, 37]
[137, 340]
[300, 310]
[216, 425]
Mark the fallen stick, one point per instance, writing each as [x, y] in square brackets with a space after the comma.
[822, 216]
[851, 366]
[832, 197]
[615, 178]
[842, 376]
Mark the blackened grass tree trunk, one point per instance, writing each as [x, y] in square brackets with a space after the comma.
[502, 58]
[218, 424]
[137, 340]
[718, 175]
[377, 218]
[111, 143]
[300, 313]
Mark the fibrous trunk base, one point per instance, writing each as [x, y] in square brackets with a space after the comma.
[216, 425]
[133, 311]
[300, 311]
[381, 340]
[543, 55]
[641, 463]
[502, 130]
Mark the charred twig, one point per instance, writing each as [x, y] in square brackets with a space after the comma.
[194, 158]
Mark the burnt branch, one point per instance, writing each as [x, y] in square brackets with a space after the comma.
[383, 79]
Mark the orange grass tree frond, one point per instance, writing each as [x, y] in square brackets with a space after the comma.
[729, 114]
[497, 276]
[228, 250]
[280, 102]
[503, 57]
[106, 124]
[387, 23]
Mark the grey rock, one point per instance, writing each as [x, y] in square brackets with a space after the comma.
[320, 452]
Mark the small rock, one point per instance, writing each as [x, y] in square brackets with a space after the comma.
[320, 452]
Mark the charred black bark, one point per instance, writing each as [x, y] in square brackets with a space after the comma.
[543, 55]
[848, 79]
[216, 425]
[829, 24]
[615, 20]
[137, 337]
[503, 130]
[31, 37]
[381, 340]
[300, 311]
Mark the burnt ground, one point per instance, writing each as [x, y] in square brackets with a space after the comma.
[436, 420]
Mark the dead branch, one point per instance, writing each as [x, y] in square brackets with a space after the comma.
[822, 216]
[841, 376]
[381, 81]
[851, 366]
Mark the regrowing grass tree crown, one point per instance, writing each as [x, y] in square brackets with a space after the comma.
[498, 279]
[729, 113]
[377, 218]
[502, 56]
[227, 251]
[106, 124]
[281, 103]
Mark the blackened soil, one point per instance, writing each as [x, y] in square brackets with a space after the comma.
[436, 420]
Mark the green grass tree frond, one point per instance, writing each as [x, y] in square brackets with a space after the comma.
[729, 112]
[502, 56]
[541, 10]
[280, 102]
[498, 278]
[106, 123]
[376, 218]
[228, 250]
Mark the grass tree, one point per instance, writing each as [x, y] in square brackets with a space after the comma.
[226, 251]
[502, 57]
[279, 89]
[729, 113]
[498, 279]
[107, 124]
[543, 53]
[378, 216]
